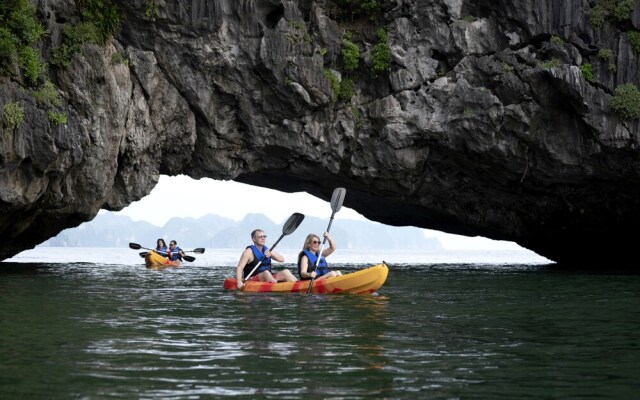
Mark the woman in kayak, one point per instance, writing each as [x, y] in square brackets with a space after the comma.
[161, 247]
[308, 258]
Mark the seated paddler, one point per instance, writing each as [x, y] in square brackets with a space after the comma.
[309, 266]
[255, 263]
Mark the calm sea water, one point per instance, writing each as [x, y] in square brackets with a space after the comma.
[94, 324]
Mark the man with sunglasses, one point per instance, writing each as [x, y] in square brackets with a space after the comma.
[309, 256]
[259, 254]
[175, 253]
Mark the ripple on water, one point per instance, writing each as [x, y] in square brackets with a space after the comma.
[435, 330]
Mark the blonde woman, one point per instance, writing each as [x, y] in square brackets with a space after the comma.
[309, 255]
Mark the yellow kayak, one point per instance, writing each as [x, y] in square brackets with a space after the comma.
[155, 260]
[365, 281]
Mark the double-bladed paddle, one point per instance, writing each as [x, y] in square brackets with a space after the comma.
[336, 202]
[198, 250]
[289, 227]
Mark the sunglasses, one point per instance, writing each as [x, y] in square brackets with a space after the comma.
[315, 241]
[261, 237]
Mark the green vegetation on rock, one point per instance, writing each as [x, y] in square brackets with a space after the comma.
[12, 115]
[342, 89]
[103, 14]
[74, 36]
[19, 33]
[555, 39]
[634, 40]
[350, 53]
[380, 55]
[357, 8]
[608, 55]
[626, 101]
[618, 10]
[57, 118]
[151, 9]
[47, 94]
[347, 89]
[357, 117]
[100, 20]
[587, 71]
[553, 63]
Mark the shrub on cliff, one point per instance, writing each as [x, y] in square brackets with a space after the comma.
[626, 101]
[380, 55]
[12, 115]
[350, 53]
[587, 71]
[634, 40]
[100, 20]
[356, 8]
[618, 10]
[19, 33]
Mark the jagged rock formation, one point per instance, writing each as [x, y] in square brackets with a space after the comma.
[483, 124]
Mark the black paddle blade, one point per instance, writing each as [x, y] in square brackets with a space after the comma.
[292, 223]
[135, 246]
[189, 258]
[337, 198]
[143, 254]
[199, 250]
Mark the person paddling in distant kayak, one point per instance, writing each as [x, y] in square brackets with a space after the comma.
[309, 255]
[175, 252]
[161, 247]
[258, 253]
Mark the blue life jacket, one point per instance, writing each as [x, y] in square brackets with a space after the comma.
[322, 268]
[265, 264]
[162, 250]
[174, 254]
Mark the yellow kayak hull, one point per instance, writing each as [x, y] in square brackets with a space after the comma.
[365, 281]
[155, 260]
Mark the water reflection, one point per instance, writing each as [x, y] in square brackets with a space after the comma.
[300, 337]
[104, 331]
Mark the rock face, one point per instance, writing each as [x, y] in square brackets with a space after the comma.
[483, 123]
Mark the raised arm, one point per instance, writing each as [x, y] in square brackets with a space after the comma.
[332, 245]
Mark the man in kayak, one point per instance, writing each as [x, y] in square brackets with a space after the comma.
[175, 252]
[309, 256]
[259, 254]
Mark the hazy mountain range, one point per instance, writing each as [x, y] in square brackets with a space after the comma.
[212, 231]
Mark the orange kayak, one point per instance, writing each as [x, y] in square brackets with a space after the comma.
[155, 260]
[365, 281]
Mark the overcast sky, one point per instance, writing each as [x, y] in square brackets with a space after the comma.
[181, 196]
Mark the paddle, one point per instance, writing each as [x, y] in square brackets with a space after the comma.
[136, 246]
[289, 226]
[336, 202]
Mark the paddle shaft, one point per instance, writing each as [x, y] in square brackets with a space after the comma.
[324, 241]
[320, 253]
[336, 202]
